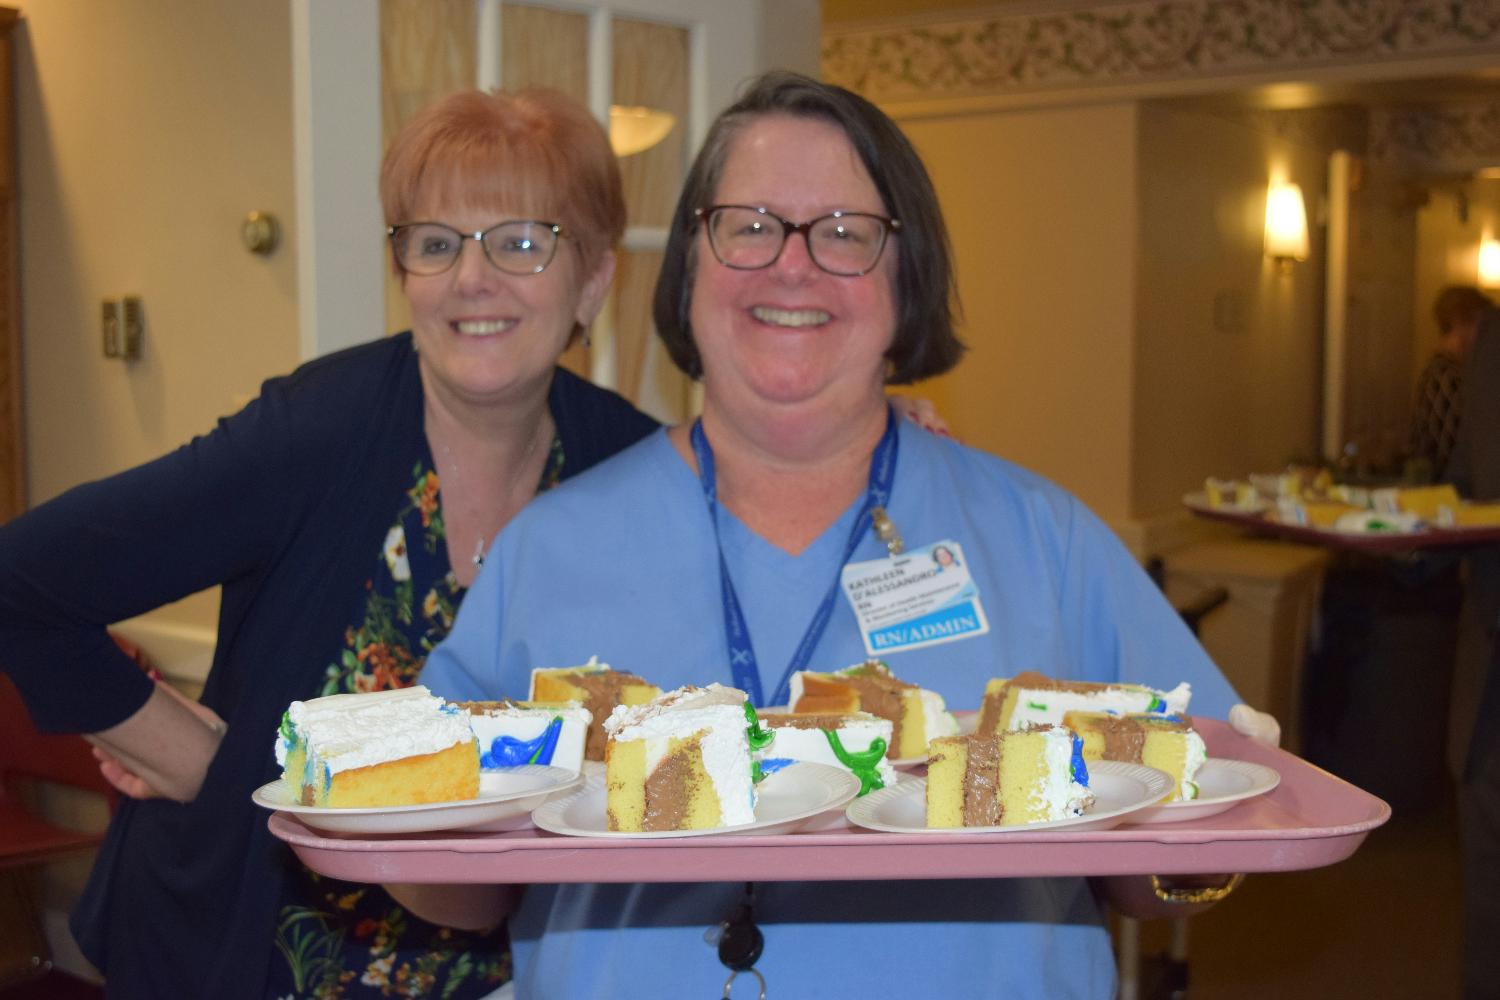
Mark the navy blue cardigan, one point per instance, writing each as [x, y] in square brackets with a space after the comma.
[285, 504]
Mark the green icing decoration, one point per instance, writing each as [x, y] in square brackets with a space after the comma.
[1036, 706]
[862, 764]
[288, 732]
[1192, 790]
[759, 738]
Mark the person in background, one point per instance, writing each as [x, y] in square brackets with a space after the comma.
[1475, 471]
[807, 268]
[344, 512]
[1438, 410]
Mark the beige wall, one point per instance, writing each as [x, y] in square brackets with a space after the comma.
[148, 128]
[1098, 250]
[1042, 210]
[1228, 348]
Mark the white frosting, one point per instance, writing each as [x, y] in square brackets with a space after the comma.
[856, 733]
[1059, 796]
[344, 731]
[935, 715]
[526, 724]
[1193, 755]
[1047, 706]
[1363, 522]
[718, 712]
[795, 688]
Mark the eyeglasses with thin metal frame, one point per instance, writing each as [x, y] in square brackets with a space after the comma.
[516, 246]
[748, 238]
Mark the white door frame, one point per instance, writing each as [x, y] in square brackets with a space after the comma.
[337, 135]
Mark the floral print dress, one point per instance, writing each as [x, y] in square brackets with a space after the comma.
[339, 939]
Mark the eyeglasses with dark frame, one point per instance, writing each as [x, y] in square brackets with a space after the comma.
[745, 238]
[517, 246]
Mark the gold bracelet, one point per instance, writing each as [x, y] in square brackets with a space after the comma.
[1206, 894]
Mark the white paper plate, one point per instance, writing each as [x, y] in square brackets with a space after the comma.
[506, 798]
[1200, 501]
[1222, 783]
[788, 800]
[1119, 790]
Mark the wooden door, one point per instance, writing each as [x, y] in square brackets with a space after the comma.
[12, 432]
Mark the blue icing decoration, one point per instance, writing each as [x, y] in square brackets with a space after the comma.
[507, 751]
[1079, 768]
[773, 764]
[1157, 705]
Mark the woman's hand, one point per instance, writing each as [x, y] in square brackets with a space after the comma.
[1159, 897]
[922, 413]
[163, 750]
[1259, 726]
[468, 907]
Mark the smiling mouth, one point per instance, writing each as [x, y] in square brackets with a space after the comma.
[483, 327]
[790, 317]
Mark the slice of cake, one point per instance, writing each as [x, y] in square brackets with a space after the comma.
[1166, 742]
[917, 715]
[680, 762]
[1005, 779]
[1469, 515]
[511, 733]
[598, 688]
[1423, 502]
[856, 741]
[1029, 698]
[1313, 513]
[385, 748]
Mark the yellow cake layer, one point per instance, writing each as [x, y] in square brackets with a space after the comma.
[625, 785]
[1155, 743]
[676, 795]
[1325, 513]
[947, 763]
[824, 695]
[1476, 515]
[446, 776]
[998, 705]
[562, 684]
[1022, 769]
[912, 744]
[963, 792]
[838, 694]
[1424, 501]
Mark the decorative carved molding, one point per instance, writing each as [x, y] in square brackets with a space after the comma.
[1441, 139]
[1148, 41]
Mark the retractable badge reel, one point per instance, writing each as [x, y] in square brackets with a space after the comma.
[740, 945]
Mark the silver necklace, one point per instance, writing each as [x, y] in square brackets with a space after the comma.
[478, 557]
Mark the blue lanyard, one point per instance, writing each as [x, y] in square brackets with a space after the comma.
[742, 662]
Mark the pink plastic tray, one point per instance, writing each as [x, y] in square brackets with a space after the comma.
[1432, 538]
[1309, 820]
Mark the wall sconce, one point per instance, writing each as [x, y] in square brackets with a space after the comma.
[635, 129]
[1489, 262]
[1286, 225]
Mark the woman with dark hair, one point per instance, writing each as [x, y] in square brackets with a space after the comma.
[808, 269]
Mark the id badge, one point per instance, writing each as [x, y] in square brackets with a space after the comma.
[919, 598]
